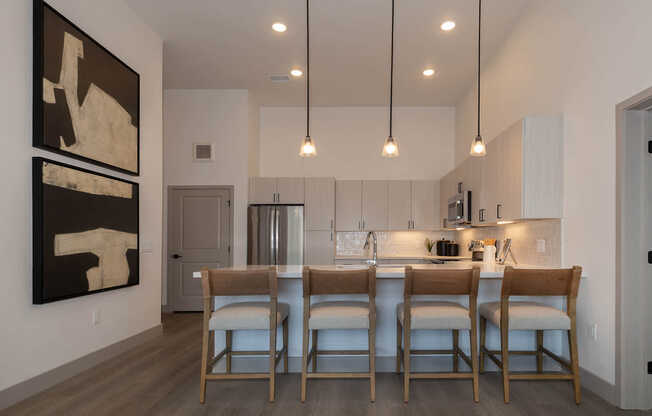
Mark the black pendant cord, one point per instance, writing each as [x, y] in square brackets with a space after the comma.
[307, 68]
[391, 76]
[479, 34]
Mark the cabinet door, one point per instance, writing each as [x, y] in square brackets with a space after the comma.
[494, 178]
[290, 190]
[512, 172]
[320, 204]
[320, 247]
[374, 205]
[423, 205]
[262, 190]
[348, 205]
[400, 205]
[445, 192]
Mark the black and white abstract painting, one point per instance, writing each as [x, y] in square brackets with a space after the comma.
[85, 232]
[86, 100]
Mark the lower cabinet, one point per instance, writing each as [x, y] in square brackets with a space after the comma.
[320, 247]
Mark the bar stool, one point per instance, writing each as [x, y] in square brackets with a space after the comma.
[535, 316]
[338, 315]
[438, 315]
[241, 316]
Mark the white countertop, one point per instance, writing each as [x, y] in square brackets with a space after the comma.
[397, 257]
[392, 271]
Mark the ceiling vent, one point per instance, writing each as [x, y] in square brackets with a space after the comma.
[278, 78]
[202, 152]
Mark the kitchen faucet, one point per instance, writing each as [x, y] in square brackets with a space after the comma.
[366, 245]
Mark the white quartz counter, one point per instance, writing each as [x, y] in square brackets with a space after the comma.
[393, 271]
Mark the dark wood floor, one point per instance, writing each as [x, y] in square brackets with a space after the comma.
[161, 377]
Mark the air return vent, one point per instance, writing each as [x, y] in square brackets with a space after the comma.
[202, 152]
[279, 78]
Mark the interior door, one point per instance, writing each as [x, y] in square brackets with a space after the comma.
[199, 235]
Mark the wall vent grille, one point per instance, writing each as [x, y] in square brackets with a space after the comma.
[202, 152]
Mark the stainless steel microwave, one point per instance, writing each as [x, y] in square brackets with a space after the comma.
[459, 209]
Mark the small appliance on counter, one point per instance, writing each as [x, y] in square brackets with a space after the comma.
[476, 247]
[452, 249]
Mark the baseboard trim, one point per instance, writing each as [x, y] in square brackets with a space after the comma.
[34, 385]
[599, 386]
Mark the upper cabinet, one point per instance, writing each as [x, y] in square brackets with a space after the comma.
[521, 176]
[425, 205]
[400, 205]
[374, 206]
[276, 190]
[320, 204]
[348, 205]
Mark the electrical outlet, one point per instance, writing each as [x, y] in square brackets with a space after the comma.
[594, 332]
[96, 317]
[541, 246]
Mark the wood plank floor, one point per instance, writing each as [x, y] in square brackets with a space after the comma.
[161, 377]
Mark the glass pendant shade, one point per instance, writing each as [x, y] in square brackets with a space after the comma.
[478, 147]
[390, 149]
[308, 148]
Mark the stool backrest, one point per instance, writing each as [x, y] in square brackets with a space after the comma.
[541, 282]
[223, 282]
[441, 282]
[339, 282]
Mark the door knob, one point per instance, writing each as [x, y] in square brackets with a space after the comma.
[176, 256]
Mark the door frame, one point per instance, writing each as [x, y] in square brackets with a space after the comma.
[169, 283]
[631, 385]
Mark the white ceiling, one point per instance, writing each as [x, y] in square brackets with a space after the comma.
[230, 44]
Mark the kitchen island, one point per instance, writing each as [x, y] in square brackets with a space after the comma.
[389, 294]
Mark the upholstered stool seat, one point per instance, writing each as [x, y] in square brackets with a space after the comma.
[527, 315]
[246, 315]
[339, 315]
[436, 315]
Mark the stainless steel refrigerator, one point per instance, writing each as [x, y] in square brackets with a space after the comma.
[275, 234]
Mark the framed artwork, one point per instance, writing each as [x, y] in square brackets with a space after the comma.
[85, 232]
[86, 100]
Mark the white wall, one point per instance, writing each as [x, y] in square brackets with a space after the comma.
[220, 117]
[349, 142]
[580, 58]
[36, 339]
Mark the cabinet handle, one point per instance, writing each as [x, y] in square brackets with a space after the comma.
[359, 227]
[331, 236]
[413, 224]
[364, 226]
[331, 224]
[499, 207]
[409, 224]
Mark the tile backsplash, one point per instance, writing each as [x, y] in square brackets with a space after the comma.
[390, 243]
[524, 237]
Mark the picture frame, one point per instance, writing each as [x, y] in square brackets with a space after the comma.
[86, 232]
[86, 100]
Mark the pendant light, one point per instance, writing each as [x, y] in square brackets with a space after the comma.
[478, 147]
[390, 149]
[308, 148]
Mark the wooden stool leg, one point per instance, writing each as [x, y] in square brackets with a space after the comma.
[483, 339]
[229, 350]
[539, 351]
[372, 360]
[406, 361]
[456, 355]
[285, 345]
[398, 345]
[504, 346]
[315, 334]
[572, 339]
[272, 364]
[304, 359]
[204, 366]
[474, 360]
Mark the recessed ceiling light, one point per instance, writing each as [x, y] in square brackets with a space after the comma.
[296, 72]
[429, 72]
[448, 25]
[279, 27]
